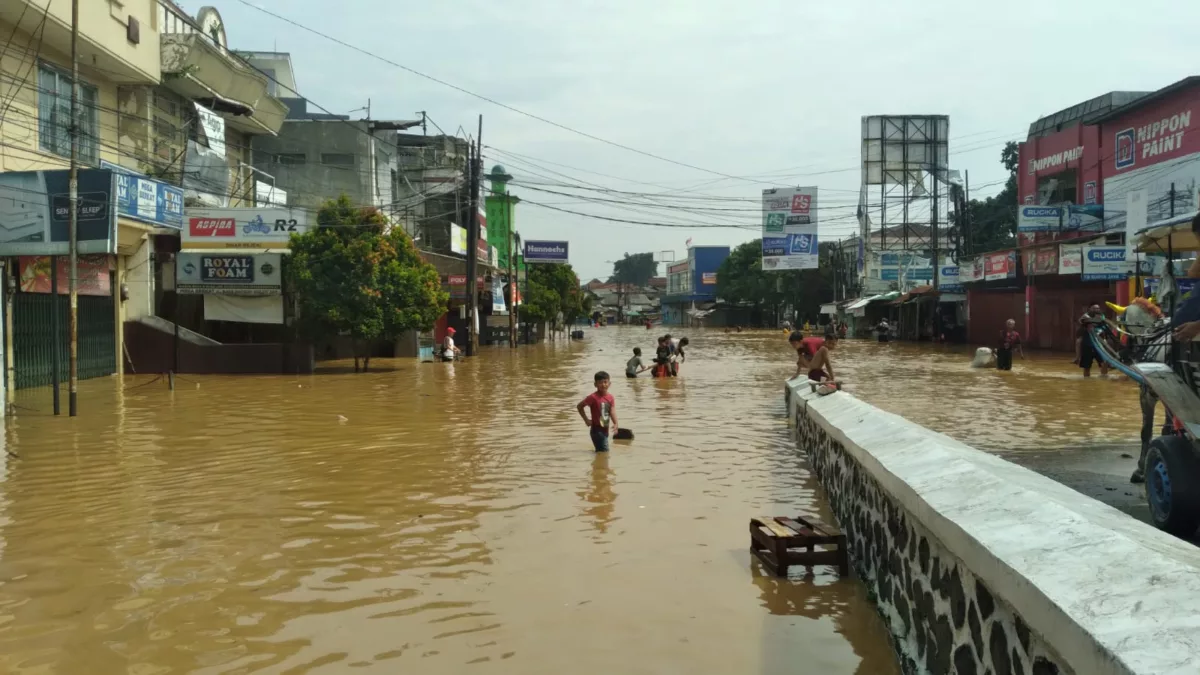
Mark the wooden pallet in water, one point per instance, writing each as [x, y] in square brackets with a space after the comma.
[781, 542]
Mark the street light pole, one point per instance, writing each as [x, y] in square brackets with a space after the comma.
[73, 221]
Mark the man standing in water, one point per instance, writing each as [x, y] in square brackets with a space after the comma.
[1085, 353]
[1010, 340]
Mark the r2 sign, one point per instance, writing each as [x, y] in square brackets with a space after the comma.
[285, 225]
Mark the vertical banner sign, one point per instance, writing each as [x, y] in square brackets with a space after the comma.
[789, 237]
[1135, 219]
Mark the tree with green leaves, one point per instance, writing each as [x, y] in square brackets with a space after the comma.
[993, 221]
[553, 288]
[742, 280]
[637, 269]
[353, 276]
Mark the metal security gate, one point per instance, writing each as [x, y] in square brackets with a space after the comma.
[33, 338]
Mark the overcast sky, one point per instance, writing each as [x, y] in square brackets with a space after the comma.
[772, 91]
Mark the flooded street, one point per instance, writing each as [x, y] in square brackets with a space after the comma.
[433, 518]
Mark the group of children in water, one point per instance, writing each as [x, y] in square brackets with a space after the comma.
[667, 357]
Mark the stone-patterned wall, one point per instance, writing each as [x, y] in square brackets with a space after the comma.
[942, 618]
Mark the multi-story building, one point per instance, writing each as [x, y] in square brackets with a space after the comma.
[692, 284]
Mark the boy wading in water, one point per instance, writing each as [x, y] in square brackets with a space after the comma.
[636, 364]
[603, 408]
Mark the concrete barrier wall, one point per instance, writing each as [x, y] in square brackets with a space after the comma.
[982, 566]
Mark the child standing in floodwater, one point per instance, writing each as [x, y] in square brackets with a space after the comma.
[603, 408]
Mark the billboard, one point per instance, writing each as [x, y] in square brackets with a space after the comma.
[458, 239]
[1039, 218]
[266, 228]
[545, 251]
[1001, 265]
[1104, 263]
[1041, 261]
[789, 228]
[35, 212]
[92, 274]
[708, 278]
[1070, 259]
[142, 198]
[228, 273]
[950, 280]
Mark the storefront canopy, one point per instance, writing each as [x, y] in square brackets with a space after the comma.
[862, 302]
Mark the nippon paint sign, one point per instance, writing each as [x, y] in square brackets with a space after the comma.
[1056, 160]
[1152, 140]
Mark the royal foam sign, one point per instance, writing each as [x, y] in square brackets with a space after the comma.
[1102, 263]
[228, 274]
[1056, 160]
[545, 251]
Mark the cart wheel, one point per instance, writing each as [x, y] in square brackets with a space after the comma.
[1173, 485]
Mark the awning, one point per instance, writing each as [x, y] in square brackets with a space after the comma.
[863, 302]
[953, 297]
[829, 308]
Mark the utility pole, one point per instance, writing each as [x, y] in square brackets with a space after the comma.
[473, 165]
[73, 226]
[512, 278]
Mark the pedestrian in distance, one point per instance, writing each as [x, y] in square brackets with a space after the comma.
[449, 350]
[883, 331]
[1085, 351]
[602, 405]
[636, 364]
[1010, 341]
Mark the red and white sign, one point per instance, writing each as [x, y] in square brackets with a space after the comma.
[999, 265]
[801, 203]
[267, 228]
[1070, 259]
[1056, 161]
[211, 227]
[1159, 133]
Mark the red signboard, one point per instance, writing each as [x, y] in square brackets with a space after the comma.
[1000, 265]
[1156, 133]
[1041, 261]
[212, 227]
[800, 204]
[483, 252]
[93, 274]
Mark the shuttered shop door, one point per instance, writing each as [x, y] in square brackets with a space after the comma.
[33, 338]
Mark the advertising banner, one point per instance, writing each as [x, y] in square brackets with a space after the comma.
[228, 273]
[1070, 259]
[709, 278]
[970, 270]
[789, 228]
[911, 274]
[458, 239]
[1041, 261]
[1104, 263]
[499, 223]
[1001, 265]
[142, 198]
[92, 273]
[1039, 218]
[949, 279]
[498, 305]
[267, 229]
[545, 251]
[1086, 218]
[36, 211]
[1182, 284]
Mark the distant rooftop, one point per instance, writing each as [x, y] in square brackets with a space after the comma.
[1083, 112]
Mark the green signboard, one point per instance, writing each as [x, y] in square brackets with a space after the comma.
[498, 209]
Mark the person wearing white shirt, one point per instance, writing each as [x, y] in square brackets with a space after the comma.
[449, 350]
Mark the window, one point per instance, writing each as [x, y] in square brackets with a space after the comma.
[54, 115]
[337, 159]
[291, 158]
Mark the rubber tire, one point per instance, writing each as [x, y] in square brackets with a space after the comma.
[1174, 459]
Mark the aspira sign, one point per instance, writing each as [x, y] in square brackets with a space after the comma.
[219, 274]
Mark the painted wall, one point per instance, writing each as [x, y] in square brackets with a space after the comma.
[979, 565]
[705, 260]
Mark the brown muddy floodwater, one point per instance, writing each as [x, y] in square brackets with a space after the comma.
[437, 518]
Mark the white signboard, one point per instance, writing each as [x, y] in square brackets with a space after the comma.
[789, 237]
[458, 239]
[213, 127]
[1105, 263]
[1039, 218]
[266, 194]
[1070, 259]
[261, 229]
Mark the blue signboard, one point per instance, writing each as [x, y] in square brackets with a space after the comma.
[146, 199]
[1088, 218]
[545, 251]
[1184, 286]
[912, 274]
[1104, 263]
[1039, 218]
[897, 259]
[774, 247]
[37, 212]
[949, 280]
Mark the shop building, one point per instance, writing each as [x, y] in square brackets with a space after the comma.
[692, 285]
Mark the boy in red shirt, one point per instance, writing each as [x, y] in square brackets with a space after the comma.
[812, 356]
[603, 408]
